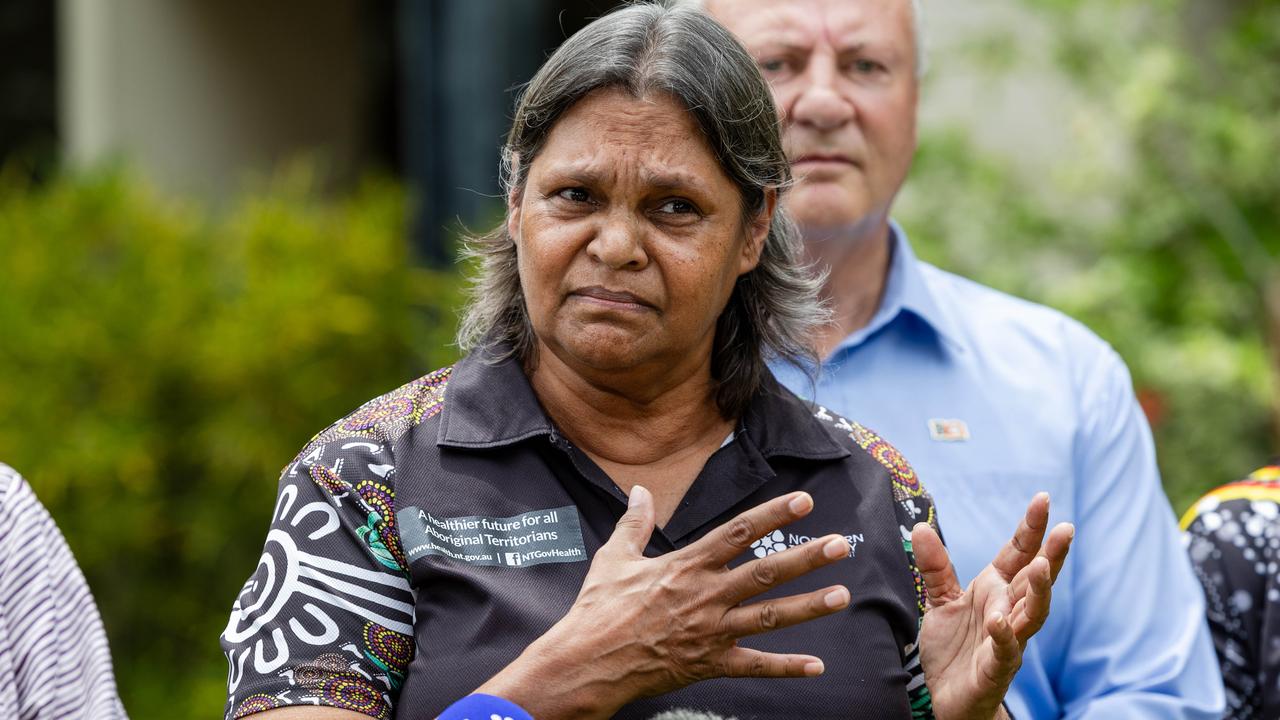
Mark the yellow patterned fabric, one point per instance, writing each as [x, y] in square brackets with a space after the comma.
[1261, 484]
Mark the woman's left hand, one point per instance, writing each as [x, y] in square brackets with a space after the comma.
[972, 638]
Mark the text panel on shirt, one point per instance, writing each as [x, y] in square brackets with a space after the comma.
[553, 535]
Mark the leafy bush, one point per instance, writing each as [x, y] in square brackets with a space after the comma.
[159, 365]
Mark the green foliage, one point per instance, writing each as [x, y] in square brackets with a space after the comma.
[1168, 249]
[159, 366]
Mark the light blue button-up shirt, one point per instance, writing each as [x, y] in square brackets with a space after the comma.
[993, 399]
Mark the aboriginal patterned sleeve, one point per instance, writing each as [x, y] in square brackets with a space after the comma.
[1233, 537]
[327, 616]
[912, 504]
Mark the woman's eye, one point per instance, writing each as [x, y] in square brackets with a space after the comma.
[575, 194]
[773, 65]
[677, 207]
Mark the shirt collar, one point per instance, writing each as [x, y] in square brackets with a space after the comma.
[490, 403]
[905, 290]
[781, 424]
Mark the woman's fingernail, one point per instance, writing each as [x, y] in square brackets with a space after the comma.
[801, 503]
[814, 667]
[836, 598]
[836, 547]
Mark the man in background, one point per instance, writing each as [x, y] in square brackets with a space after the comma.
[991, 398]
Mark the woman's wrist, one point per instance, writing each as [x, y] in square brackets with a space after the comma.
[481, 705]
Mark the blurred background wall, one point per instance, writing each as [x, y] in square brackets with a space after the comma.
[225, 223]
[198, 94]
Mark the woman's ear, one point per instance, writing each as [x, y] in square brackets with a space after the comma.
[758, 232]
[514, 196]
[513, 214]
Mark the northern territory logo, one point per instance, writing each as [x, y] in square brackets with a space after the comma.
[777, 541]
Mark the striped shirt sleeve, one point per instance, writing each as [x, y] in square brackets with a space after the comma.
[54, 658]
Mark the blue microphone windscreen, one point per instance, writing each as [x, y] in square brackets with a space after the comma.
[484, 707]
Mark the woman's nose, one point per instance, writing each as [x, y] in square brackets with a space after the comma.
[618, 243]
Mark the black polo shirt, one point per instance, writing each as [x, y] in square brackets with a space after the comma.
[421, 543]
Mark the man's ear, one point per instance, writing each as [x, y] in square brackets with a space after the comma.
[758, 232]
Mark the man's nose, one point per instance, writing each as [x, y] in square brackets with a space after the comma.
[820, 103]
[618, 243]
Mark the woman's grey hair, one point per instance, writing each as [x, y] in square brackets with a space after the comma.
[917, 30]
[646, 49]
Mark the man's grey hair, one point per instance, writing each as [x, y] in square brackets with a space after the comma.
[645, 49]
[917, 29]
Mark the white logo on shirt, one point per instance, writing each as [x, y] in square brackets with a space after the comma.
[777, 541]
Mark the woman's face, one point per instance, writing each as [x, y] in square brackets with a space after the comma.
[630, 236]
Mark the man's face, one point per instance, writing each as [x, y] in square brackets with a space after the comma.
[843, 74]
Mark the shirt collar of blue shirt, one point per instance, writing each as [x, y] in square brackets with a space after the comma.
[906, 291]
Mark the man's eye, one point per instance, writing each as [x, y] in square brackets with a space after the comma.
[677, 207]
[773, 65]
[575, 194]
[866, 67]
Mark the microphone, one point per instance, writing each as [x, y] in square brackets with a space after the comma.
[490, 707]
[484, 707]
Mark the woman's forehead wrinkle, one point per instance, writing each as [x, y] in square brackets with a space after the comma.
[607, 139]
[664, 176]
[639, 123]
[661, 166]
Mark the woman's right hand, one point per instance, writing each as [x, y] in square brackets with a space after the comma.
[645, 626]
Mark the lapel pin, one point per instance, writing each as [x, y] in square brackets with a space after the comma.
[944, 430]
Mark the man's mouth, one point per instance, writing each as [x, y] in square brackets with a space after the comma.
[823, 159]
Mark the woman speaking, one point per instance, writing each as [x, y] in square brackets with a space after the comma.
[608, 507]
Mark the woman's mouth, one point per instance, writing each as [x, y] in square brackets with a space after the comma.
[616, 299]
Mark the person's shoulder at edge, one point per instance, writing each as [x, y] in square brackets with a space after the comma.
[10, 480]
[1261, 485]
[68, 673]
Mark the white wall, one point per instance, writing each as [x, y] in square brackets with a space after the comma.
[1027, 111]
[199, 92]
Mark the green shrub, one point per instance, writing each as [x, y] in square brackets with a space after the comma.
[160, 364]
